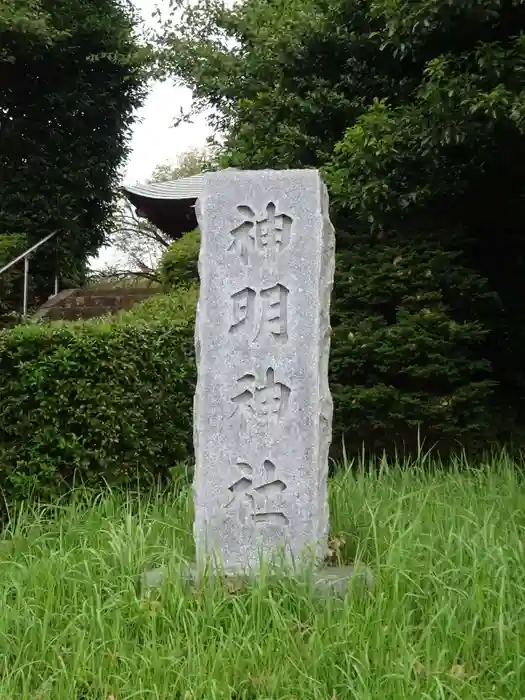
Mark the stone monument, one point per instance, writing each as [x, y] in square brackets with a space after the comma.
[263, 410]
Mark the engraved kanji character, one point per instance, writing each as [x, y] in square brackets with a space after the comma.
[244, 400]
[270, 315]
[241, 491]
[273, 232]
[272, 397]
[245, 494]
[270, 233]
[274, 313]
[244, 234]
[243, 309]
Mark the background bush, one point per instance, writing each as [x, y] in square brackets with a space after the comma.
[415, 113]
[406, 356]
[12, 281]
[73, 74]
[179, 263]
[110, 400]
[107, 400]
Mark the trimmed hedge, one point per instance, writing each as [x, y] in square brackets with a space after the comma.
[111, 400]
[99, 401]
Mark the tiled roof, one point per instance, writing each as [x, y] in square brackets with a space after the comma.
[185, 188]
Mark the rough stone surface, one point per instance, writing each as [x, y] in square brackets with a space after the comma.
[263, 410]
[336, 581]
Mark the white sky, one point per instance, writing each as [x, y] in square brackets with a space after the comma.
[154, 139]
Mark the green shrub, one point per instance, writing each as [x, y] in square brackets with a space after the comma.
[97, 401]
[408, 356]
[407, 359]
[179, 262]
[179, 305]
[414, 111]
[11, 282]
[11, 245]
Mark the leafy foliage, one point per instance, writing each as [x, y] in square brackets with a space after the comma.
[11, 282]
[414, 111]
[178, 266]
[192, 162]
[98, 401]
[405, 359]
[73, 72]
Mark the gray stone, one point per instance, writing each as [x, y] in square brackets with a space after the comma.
[339, 579]
[263, 410]
[333, 581]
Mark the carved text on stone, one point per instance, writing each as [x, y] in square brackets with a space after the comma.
[268, 399]
[270, 233]
[264, 313]
[252, 501]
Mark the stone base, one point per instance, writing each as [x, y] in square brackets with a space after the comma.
[335, 580]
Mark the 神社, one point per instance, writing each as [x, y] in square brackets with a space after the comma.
[263, 409]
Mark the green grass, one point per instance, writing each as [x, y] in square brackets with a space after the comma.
[446, 618]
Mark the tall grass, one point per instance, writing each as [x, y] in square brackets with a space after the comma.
[446, 617]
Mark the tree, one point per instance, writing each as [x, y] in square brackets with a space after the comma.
[73, 74]
[137, 246]
[138, 243]
[192, 162]
[415, 112]
[450, 162]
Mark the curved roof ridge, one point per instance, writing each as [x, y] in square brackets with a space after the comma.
[183, 188]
